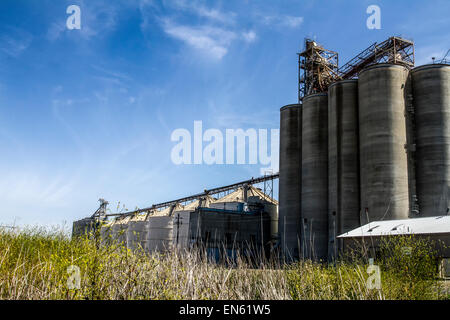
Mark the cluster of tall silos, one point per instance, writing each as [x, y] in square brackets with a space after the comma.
[370, 149]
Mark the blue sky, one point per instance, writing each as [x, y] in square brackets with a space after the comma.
[89, 113]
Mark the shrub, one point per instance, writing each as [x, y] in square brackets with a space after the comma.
[409, 267]
[34, 262]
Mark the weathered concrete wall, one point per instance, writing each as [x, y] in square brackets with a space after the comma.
[343, 161]
[83, 227]
[314, 204]
[382, 128]
[160, 233]
[182, 229]
[290, 179]
[431, 100]
[137, 235]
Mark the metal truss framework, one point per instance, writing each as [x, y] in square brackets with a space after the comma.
[199, 196]
[445, 59]
[318, 67]
[101, 211]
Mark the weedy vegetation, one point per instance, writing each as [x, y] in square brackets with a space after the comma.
[34, 265]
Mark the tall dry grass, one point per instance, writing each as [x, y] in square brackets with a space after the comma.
[34, 262]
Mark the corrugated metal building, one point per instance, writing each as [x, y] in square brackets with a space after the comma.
[240, 221]
[435, 229]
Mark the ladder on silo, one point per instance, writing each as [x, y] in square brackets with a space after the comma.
[410, 148]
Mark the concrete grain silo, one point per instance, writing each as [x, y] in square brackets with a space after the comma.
[160, 234]
[84, 227]
[290, 179]
[431, 100]
[160, 229]
[343, 161]
[118, 230]
[382, 130]
[272, 210]
[106, 235]
[137, 233]
[314, 204]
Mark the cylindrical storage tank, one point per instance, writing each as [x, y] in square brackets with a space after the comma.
[106, 235]
[290, 180]
[314, 205]
[137, 235]
[160, 234]
[343, 161]
[272, 211]
[431, 100]
[119, 233]
[83, 228]
[382, 135]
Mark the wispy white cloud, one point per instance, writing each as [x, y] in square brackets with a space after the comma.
[200, 10]
[211, 40]
[249, 36]
[237, 120]
[118, 76]
[425, 55]
[55, 30]
[293, 22]
[212, 33]
[58, 107]
[97, 18]
[282, 20]
[15, 41]
[30, 187]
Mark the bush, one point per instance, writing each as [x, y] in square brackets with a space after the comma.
[408, 271]
[34, 265]
[409, 267]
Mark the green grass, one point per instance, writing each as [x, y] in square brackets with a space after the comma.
[34, 262]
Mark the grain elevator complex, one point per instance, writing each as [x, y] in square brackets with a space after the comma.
[366, 142]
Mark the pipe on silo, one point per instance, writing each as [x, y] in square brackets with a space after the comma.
[290, 179]
[382, 131]
[314, 205]
[431, 100]
[343, 161]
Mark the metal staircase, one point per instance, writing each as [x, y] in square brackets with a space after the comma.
[318, 67]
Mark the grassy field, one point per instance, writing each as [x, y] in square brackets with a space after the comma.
[34, 265]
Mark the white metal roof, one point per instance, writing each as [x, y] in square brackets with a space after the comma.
[428, 225]
[238, 195]
[195, 204]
